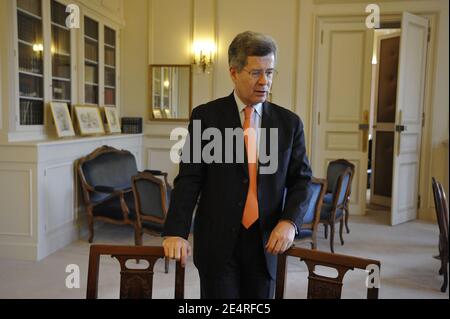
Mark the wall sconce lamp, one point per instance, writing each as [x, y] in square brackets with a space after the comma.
[203, 55]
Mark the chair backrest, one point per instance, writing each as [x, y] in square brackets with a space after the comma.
[334, 170]
[150, 197]
[134, 283]
[106, 166]
[341, 189]
[312, 216]
[441, 207]
[323, 287]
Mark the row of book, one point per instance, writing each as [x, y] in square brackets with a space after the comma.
[91, 51]
[131, 125]
[31, 112]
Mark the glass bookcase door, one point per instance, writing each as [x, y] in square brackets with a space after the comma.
[31, 70]
[91, 61]
[60, 50]
[110, 66]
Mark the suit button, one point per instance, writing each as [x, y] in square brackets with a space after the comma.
[241, 204]
[245, 180]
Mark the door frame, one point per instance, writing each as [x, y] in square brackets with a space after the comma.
[425, 191]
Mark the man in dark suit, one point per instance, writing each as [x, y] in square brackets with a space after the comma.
[244, 217]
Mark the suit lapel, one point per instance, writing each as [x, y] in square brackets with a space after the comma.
[231, 119]
[266, 124]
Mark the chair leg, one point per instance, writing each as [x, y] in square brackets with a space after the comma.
[325, 230]
[341, 228]
[445, 273]
[166, 264]
[91, 229]
[332, 237]
[346, 221]
[137, 236]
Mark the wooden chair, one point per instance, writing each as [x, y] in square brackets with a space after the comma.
[441, 207]
[134, 283]
[339, 178]
[308, 230]
[151, 201]
[322, 287]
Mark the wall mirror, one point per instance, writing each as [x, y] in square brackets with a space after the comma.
[170, 92]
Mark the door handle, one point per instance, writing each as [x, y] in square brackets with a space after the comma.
[364, 127]
[399, 129]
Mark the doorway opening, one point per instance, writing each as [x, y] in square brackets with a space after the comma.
[385, 60]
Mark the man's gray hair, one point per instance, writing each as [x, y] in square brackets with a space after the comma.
[247, 44]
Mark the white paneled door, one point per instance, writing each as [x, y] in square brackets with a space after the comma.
[410, 99]
[342, 100]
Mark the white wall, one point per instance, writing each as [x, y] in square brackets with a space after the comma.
[291, 23]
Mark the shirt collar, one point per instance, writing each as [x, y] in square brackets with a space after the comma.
[241, 105]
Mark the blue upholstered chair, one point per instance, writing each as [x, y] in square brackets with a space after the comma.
[106, 180]
[308, 231]
[152, 201]
[336, 200]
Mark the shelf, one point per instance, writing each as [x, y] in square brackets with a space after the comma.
[110, 87]
[62, 101]
[91, 84]
[25, 42]
[29, 13]
[60, 79]
[30, 73]
[60, 26]
[22, 97]
[91, 61]
[110, 46]
[61, 53]
[90, 39]
[110, 66]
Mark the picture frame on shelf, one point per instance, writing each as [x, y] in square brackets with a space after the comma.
[157, 114]
[112, 119]
[62, 119]
[89, 120]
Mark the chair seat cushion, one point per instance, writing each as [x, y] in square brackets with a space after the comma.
[325, 212]
[111, 208]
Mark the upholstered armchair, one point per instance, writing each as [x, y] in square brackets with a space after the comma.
[106, 181]
[105, 177]
[308, 231]
[336, 200]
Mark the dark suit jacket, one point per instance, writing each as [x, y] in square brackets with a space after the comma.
[223, 186]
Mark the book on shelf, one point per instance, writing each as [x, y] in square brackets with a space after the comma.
[131, 125]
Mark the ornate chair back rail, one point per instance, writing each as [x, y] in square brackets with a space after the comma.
[321, 286]
[134, 283]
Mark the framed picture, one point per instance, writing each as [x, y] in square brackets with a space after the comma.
[89, 120]
[112, 119]
[61, 116]
[157, 114]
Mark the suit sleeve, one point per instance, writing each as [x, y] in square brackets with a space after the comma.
[298, 180]
[187, 185]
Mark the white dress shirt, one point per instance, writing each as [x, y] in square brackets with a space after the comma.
[256, 118]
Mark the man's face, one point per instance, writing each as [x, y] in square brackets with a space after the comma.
[252, 85]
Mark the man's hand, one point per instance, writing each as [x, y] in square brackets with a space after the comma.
[177, 248]
[281, 238]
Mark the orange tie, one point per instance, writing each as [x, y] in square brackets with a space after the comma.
[251, 204]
